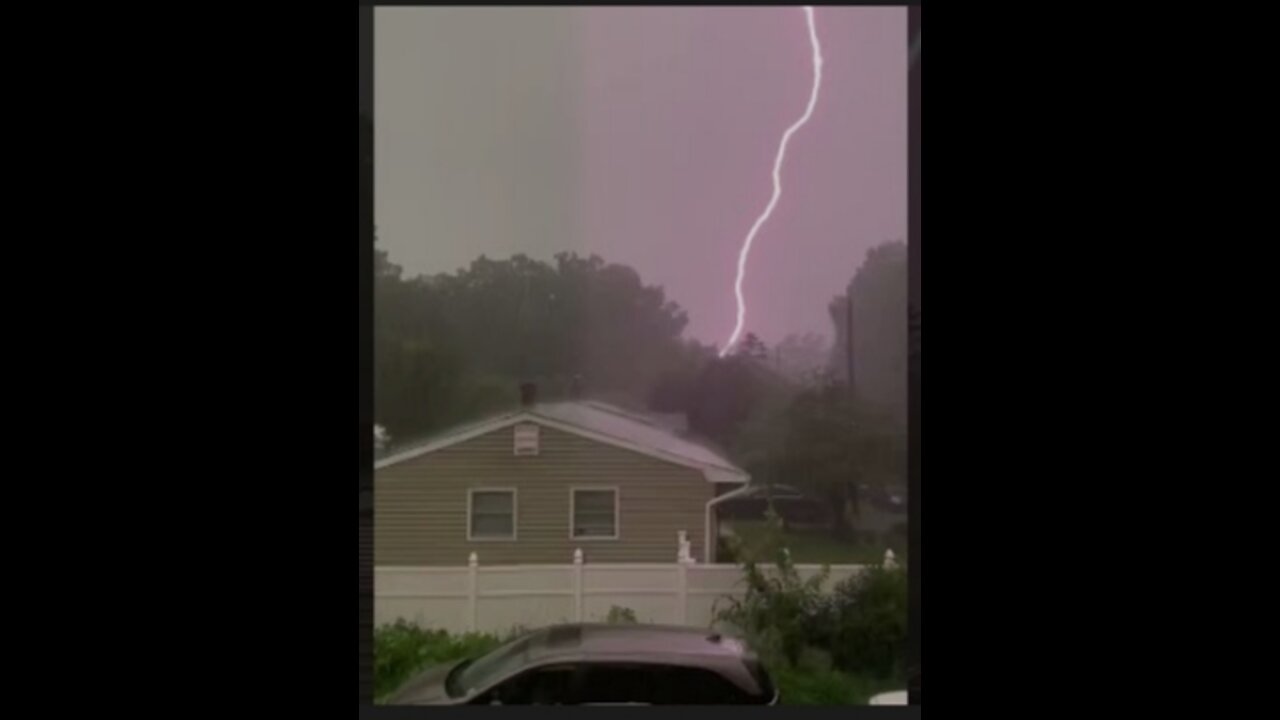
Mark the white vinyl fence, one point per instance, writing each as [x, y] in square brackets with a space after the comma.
[500, 598]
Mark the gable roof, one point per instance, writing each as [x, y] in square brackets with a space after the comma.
[595, 421]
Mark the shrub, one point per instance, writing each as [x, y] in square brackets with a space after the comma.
[726, 550]
[869, 622]
[798, 686]
[402, 649]
[620, 615]
[780, 613]
[821, 642]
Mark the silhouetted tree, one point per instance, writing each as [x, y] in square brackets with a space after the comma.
[752, 348]
[879, 290]
[833, 445]
[455, 345]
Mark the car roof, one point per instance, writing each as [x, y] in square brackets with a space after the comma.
[634, 639]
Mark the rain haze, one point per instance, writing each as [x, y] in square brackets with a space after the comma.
[571, 436]
[646, 136]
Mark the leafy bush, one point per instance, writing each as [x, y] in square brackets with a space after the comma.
[620, 615]
[820, 642]
[797, 686]
[869, 621]
[402, 649]
[780, 613]
[726, 551]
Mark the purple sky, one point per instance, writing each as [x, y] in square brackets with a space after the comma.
[647, 136]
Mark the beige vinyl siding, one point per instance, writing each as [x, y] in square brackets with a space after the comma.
[420, 504]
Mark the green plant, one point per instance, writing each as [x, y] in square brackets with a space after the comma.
[726, 550]
[780, 613]
[869, 620]
[798, 686]
[825, 648]
[402, 649]
[620, 615]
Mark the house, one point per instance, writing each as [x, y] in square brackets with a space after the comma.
[533, 485]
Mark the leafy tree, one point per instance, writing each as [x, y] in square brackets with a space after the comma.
[833, 445]
[728, 391]
[416, 367]
[800, 358]
[880, 336]
[451, 346]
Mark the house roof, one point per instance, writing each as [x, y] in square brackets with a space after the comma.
[596, 421]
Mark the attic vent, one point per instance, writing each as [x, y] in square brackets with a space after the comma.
[526, 439]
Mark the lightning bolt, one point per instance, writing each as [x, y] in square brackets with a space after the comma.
[777, 180]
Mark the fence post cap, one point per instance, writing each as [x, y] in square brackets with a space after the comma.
[577, 556]
[473, 560]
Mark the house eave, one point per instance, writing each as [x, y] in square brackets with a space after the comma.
[712, 473]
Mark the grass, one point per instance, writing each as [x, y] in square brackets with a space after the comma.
[817, 546]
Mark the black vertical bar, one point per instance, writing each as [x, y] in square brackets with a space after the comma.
[365, 285]
[913, 354]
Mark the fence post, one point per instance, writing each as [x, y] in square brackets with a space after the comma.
[682, 589]
[577, 585]
[472, 562]
[889, 562]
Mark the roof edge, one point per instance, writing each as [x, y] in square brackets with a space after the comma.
[713, 473]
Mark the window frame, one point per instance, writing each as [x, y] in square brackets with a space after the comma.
[515, 513]
[617, 512]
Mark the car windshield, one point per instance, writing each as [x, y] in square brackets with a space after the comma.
[484, 671]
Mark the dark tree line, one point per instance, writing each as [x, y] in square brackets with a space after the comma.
[451, 347]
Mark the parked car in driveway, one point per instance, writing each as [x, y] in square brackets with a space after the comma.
[598, 664]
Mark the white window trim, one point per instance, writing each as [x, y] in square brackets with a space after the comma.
[515, 514]
[617, 512]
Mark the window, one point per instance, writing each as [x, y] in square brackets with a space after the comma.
[542, 686]
[652, 684]
[696, 686]
[491, 514]
[491, 668]
[619, 685]
[593, 513]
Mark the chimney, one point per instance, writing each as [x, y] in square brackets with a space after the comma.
[528, 394]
